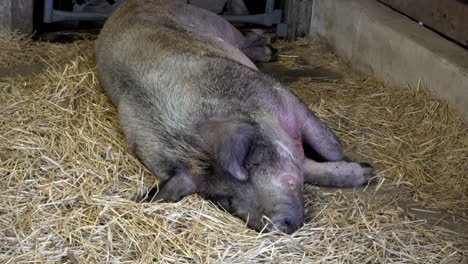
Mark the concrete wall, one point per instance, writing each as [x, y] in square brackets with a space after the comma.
[377, 40]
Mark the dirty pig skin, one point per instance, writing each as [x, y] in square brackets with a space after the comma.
[202, 118]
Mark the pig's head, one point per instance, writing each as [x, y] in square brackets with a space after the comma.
[257, 175]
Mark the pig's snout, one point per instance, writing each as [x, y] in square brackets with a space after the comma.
[287, 220]
[286, 224]
[287, 215]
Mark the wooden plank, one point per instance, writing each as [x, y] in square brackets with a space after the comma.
[449, 17]
[5, 14]
[17, 15]
[22, 18]
[298, 16]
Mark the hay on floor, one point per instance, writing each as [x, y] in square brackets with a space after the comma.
[19, 49]
[69, 183]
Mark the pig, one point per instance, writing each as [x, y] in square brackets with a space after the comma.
[200, 116]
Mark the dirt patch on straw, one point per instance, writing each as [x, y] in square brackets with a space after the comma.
[68, 181]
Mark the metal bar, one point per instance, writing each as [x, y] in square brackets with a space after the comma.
[48, 11]
[81, 16]
[271, 17]
[261, 19]
[269, 6]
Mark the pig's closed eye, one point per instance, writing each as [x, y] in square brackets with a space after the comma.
[250, 165]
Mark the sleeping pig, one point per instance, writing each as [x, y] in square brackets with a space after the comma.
[202, 118]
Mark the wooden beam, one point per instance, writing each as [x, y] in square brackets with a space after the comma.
[5, 14]
[449, 17]
[298, 16]
[17, 15]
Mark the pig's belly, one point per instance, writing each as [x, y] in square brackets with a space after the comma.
[291, 128]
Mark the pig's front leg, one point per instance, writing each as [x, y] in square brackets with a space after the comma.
[337, 173]
[174, 189]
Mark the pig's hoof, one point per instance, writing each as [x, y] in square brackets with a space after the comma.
[165, 198]
[162, 195]
[368, 173]
[358, 174]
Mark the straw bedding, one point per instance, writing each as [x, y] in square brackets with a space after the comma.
[69, 185]
[17, 49]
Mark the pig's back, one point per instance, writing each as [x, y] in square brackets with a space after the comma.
[165, 80]
[142, 51]
[162, 74]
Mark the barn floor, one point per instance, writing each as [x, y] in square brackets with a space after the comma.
[69, 183]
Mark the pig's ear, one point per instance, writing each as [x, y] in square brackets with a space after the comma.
[233, 149]
[230, 143]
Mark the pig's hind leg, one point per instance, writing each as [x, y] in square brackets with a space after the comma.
[334, 171]
[260, 54]
[337, 173]
[256, 38]
[257, 46]
[320, 138]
